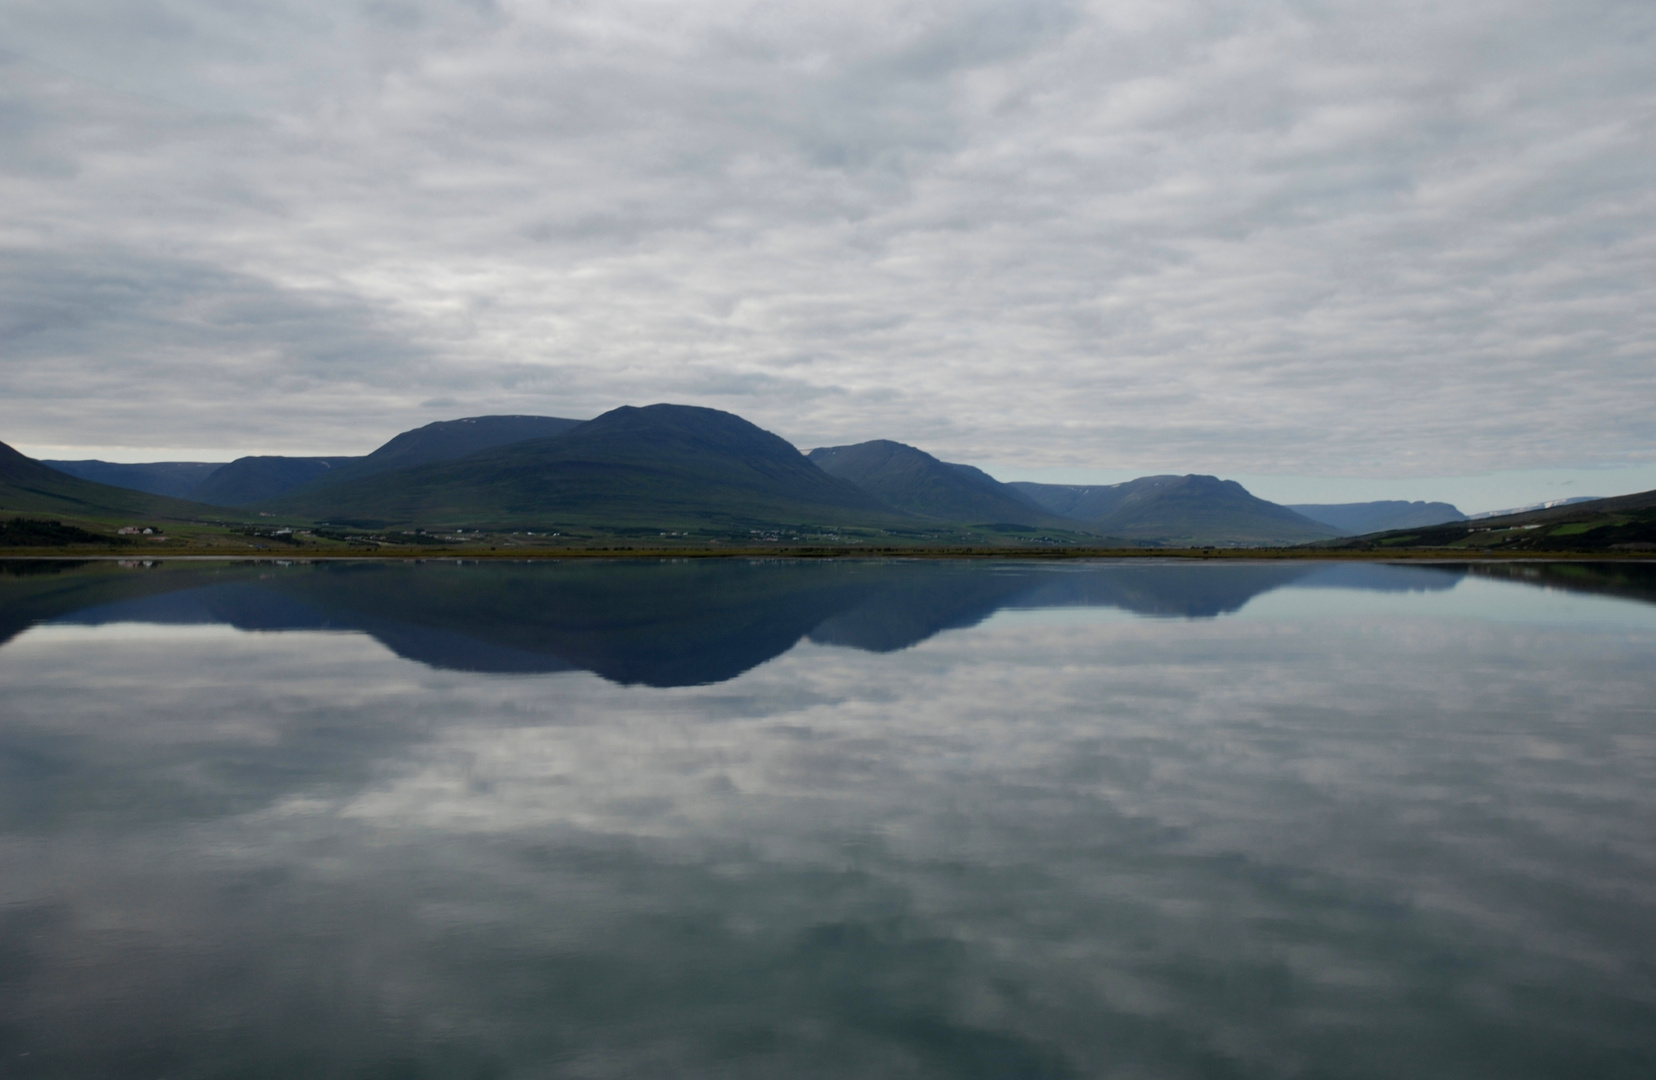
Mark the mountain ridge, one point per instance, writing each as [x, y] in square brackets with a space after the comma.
[30, 487]
[915, 482]
[448, 440]
[637, 467]
[1193, 509]
[254, 479]
[173, 478]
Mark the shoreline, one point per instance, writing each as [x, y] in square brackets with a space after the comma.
[1436, 555]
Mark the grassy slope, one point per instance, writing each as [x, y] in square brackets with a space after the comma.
[1625, 523]
[27, 487]
[663, 466]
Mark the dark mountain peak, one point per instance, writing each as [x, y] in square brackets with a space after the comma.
[439, 441]
[17, 467]
[872, 451]
[687, 433]
[446, 440]
[1191, 485]
[254, 479]
[655, 466]
[1193, 509]
[910, 479]
[883, 454]
[713, 427]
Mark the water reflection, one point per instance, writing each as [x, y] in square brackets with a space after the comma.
[1346, 845]
[684, 623]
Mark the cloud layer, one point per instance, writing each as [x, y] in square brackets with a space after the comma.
[1393, 239]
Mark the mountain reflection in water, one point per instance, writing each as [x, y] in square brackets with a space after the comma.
[680, 623]
[826, 820]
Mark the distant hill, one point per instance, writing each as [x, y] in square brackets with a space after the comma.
[176, 478]
[1353, 519]
[1178, 510]
[253, 479]
[654, 467]
[29, 487]
[1625, 523]
[912, 480]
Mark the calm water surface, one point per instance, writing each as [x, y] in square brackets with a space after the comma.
[879, 819]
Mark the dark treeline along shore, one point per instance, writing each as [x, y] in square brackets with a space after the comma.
[681, 479]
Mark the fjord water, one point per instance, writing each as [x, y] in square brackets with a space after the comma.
[871, 819]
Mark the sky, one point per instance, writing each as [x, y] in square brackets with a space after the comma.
[1336, 250]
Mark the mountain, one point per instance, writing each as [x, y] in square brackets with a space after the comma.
[1353, 519]
[253, 479]
[176, 478]
[29, 487]
[1079, 502]
[1178, 510]
[642, 468]
[912, 480]
[449, 440]
[265, 478]
[1625, 523]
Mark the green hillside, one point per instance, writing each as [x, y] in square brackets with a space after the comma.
[658, 467]
[912, 480]
[1178, 510]
[1625, 523]
[28, 487]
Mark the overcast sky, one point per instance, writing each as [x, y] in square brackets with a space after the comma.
[1391, 242]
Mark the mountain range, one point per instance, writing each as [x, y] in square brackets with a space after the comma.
[661, 466]
[31, 486]
[682, 471]
[1178, 509]
[249, 480]
[913, 481]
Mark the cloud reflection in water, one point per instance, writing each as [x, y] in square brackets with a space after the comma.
[1339, 843]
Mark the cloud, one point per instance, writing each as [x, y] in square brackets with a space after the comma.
[1355, 239]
